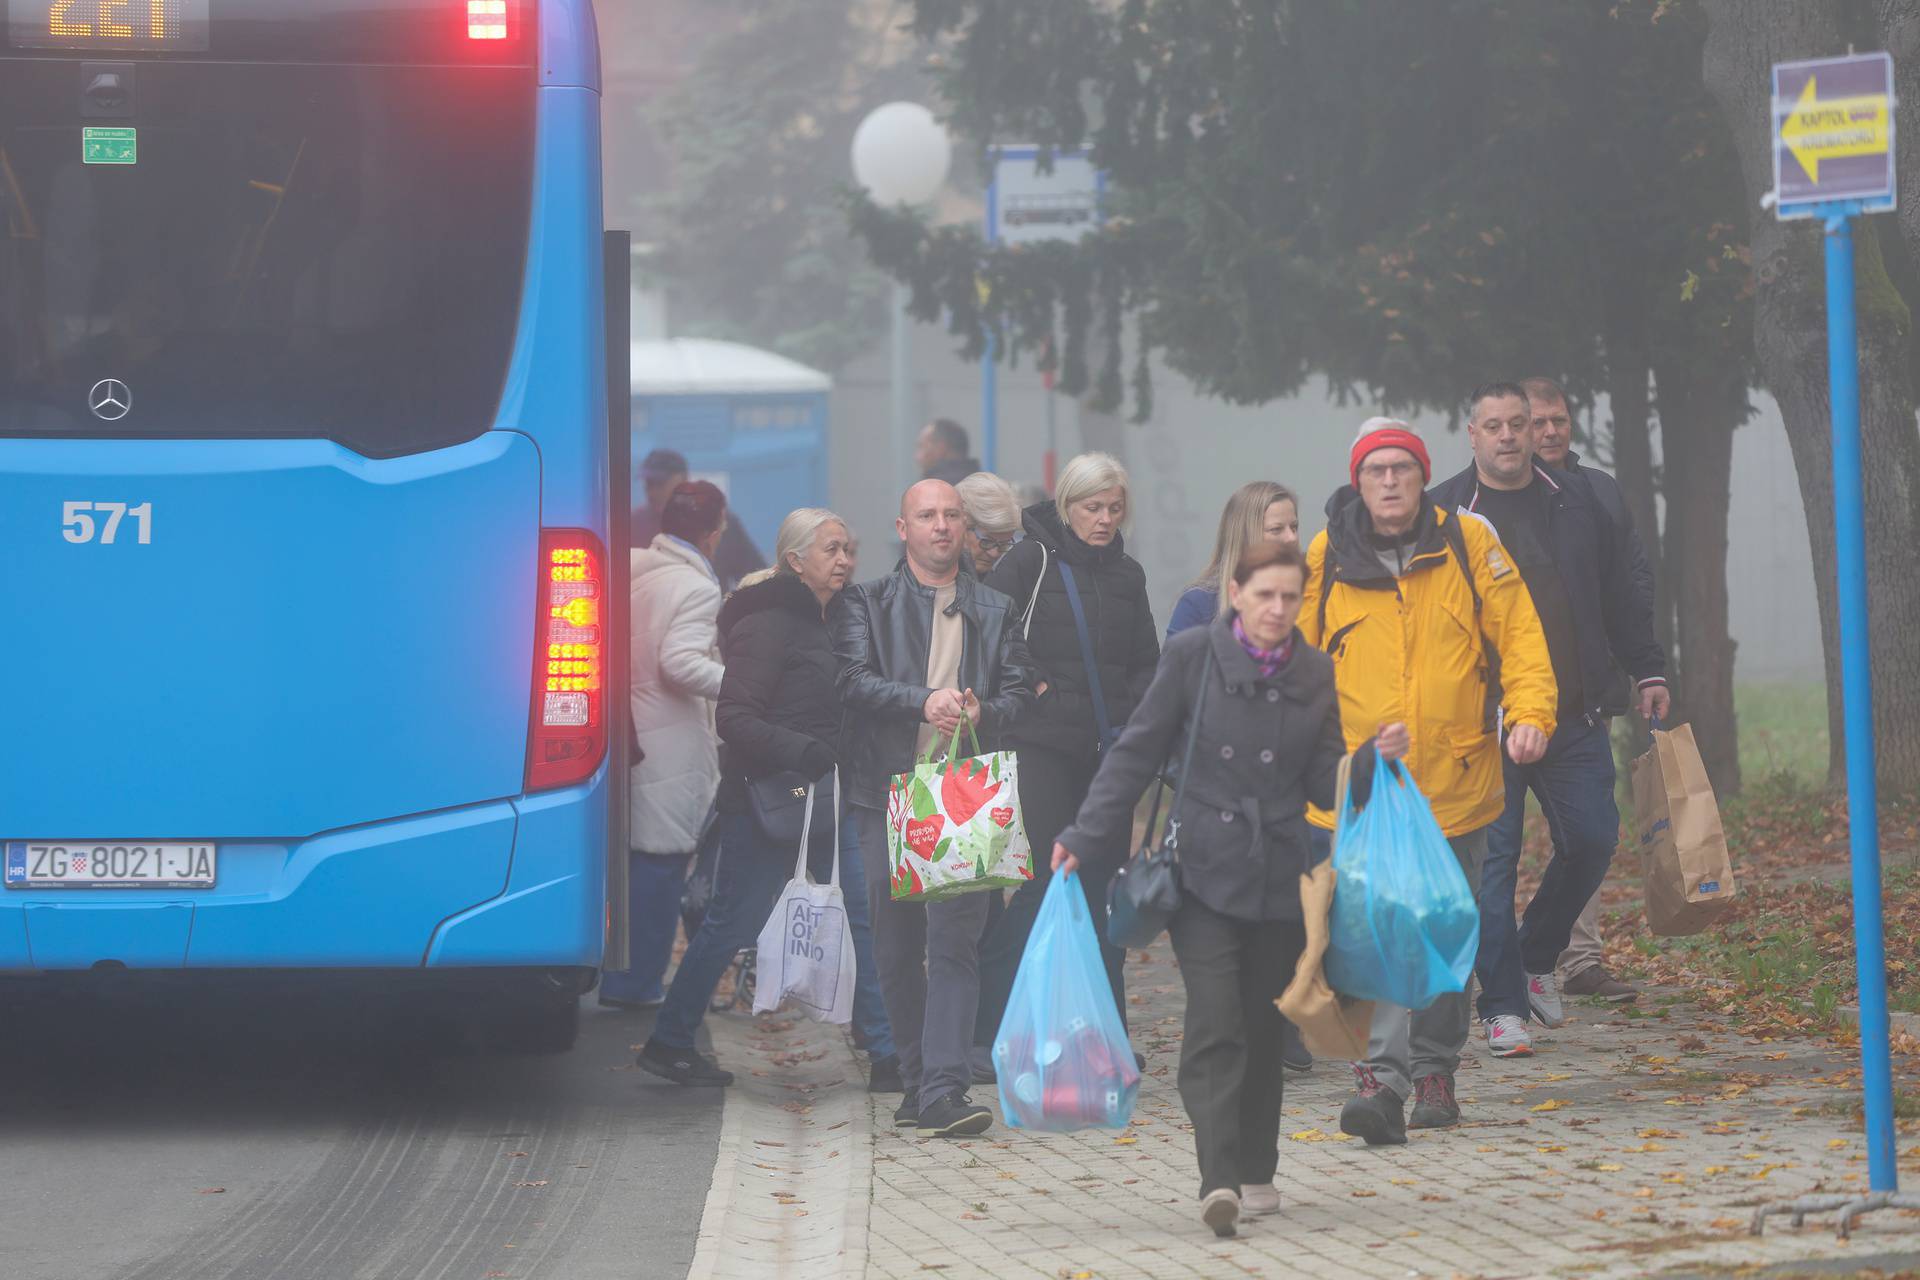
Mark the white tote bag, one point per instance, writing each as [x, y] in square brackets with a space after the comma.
[806, 948]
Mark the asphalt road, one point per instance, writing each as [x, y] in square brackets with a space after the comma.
[245, 1135]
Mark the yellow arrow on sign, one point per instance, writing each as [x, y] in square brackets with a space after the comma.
[1836, 127]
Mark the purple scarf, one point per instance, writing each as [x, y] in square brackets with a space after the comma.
[1268, 660]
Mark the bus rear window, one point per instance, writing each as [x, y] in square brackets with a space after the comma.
[253, 250]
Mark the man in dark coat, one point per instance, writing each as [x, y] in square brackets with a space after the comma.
[1575, 564]
[1583, 966]
[660, 471]
[920, 651]
[941, 452]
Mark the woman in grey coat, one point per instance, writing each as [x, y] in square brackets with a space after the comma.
[1268, 742]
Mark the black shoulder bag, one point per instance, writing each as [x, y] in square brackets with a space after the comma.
[1145, 893]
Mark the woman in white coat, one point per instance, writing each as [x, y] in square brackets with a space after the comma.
[676, 675]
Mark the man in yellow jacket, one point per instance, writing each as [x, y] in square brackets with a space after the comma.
[1419, 608]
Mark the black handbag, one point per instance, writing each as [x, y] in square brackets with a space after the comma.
[1145, 893]
[778, 806]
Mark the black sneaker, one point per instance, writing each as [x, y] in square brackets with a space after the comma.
[682, 1066]
[1434, 1106]
[954, 1117]
[1375, 1113]
[907, 1115]
[884, 1076]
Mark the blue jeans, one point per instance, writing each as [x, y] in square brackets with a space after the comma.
[1574, 784]
[653, 920]
[869, 1009]
[752, 874]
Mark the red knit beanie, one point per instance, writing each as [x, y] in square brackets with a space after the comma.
[1388, 433]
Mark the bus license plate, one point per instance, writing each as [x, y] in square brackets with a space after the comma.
[82, 865]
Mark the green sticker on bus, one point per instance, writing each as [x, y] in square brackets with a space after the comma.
[108, 146]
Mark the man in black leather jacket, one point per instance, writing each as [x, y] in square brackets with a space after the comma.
[919, 650]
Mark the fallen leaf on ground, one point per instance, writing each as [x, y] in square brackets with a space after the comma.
[211, 1191]
[1363, 1194]
[1728, 1224]
[1608, 1168]
[1551, 1104]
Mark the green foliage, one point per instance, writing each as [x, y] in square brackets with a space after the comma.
[1404, 199]
[751, 240]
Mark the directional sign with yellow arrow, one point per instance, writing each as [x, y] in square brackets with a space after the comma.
[1833, 128]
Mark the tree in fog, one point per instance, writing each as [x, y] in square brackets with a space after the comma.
[1402, 199]
[749, 238]
[1746, 39]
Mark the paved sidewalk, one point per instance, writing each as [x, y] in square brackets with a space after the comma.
[1626, 1147]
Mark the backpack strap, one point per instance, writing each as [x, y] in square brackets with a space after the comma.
[1457, 542]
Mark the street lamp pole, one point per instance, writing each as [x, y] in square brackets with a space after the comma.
[901, 155]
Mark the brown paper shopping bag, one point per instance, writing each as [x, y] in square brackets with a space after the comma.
[1689, 875]
[1331, 1025]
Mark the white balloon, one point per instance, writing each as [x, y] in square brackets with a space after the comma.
[901, 154]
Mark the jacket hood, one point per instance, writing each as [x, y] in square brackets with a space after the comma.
[1350, 529]
[781, 591]
[667, 553]
[1042, 522]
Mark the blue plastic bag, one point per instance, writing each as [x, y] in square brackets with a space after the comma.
[1062, 1056]
[1405, 927]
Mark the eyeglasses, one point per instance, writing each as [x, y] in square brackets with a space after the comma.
[995, 546]
[1385, 470]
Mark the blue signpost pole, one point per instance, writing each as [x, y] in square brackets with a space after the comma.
[1850, 529]
[990, 405]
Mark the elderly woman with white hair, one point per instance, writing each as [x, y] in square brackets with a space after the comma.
[1090, 632]
[993, 519]
[779, 716]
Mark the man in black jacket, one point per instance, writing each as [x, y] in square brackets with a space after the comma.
[1575, 564]
[921, 650]
[1583, 965]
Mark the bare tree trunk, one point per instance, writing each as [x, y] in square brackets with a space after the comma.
[1745, 37]
[1699, 407]
[1629, 364]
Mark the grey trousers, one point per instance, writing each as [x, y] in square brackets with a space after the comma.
[928, 955]
[1584, 948]
[1406, 1045]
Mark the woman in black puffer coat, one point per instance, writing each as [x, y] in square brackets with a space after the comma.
[778, 716]
[1059, 742]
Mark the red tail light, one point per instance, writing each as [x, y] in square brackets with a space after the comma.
[569, 733]
[486, 19]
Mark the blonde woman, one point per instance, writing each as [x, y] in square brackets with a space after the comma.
[1074, 548]
[993, 519]
[1262, 511]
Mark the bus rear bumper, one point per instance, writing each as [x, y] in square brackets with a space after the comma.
[504, 884]
[554, 910]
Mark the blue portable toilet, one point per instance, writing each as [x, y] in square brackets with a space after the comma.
[753, 422]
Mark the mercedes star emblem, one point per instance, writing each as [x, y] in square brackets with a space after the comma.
[110, 399]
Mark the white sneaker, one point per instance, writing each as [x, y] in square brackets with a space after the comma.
[1220, 1209]
[1543, 997]
[1259, 1197]
[1507, 1036]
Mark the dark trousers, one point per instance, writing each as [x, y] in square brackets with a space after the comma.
[1052, 786]
[1574, 784]
[1230, 1076]
[928, 955]
[745, 887]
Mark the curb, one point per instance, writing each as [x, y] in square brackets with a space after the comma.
[792, 1184]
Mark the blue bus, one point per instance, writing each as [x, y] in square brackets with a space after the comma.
[306, 491]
